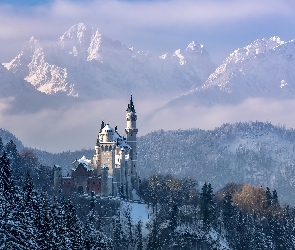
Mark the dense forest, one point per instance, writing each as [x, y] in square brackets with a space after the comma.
[238, 216]
[258, 153]
[182, 213]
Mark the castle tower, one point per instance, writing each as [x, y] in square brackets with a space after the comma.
[131, 132]
[57, 178]
[105, 189]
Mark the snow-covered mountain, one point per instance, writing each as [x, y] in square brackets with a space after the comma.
[20, 96]
[257, 153]
[263, 69]
[86, 64]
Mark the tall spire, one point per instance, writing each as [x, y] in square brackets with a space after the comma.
[131, 107]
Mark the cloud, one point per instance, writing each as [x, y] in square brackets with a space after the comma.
[146, 23]
[71, 128]
[185, 117]
[77, 127]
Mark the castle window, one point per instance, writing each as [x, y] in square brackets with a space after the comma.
[110, 148]
[69, 182]
[107, 148]
[102, 148]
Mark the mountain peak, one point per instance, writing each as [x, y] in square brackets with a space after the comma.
[194, 46]
[76, 30]
[277, 40]
[32, 39]
[262, 69]
[77, 34]
[83, 61]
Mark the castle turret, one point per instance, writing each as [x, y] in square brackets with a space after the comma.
[131, 132]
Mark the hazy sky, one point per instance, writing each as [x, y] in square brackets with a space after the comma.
[157, 26]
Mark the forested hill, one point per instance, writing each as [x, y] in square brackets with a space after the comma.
[6, 136]
[255, 152]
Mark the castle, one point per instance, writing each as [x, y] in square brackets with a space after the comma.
[113, 169]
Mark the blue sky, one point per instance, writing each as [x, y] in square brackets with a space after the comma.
[157, 26]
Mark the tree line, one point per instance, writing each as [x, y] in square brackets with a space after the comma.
[238, 216]
[31, 219]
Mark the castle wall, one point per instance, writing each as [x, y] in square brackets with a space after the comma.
[107, 158]
[67, 185]
[94, 185]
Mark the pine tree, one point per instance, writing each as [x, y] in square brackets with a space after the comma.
[45, 233]
[12, 228]
[207, 205]
[93, 238]
[6, 181]
[139, 240]
[28, 190]
[73, 227]
[118, 234]
[12, 154]
[1, 146]
[128, 230]
[153, 236]
[28, 210]
[227, 211]
[11, 150]
[268, 198]
[173, 217]
[275, 200]
[58, 231]
[3, 220]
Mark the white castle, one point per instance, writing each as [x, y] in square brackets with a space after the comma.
[113, 169]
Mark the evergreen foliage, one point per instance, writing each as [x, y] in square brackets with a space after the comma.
[181, 215]
[29, 220]
[210, 219]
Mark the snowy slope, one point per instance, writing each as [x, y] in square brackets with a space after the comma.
[20, 96]
[264, 69]
[84, 63]
[256, 153]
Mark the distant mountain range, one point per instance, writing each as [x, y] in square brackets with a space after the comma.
[263, 69]
[84, 63]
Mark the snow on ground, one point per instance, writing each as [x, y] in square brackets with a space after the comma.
[139, 211]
